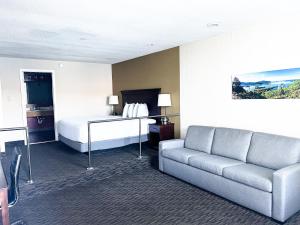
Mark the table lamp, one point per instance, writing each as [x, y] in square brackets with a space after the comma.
[113, 100]
[164, 100]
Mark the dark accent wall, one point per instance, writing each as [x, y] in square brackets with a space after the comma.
[157, 70]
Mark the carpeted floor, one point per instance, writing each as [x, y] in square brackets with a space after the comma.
[122, 190]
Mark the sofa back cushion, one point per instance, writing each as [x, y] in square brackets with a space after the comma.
[231, 143]
[273, 151]
[199, 138]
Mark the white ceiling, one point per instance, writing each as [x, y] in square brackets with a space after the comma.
[112, 31]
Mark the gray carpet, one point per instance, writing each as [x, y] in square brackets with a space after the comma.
[122, 190]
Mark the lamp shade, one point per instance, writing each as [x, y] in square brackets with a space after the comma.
[113, 100]
[164, 100]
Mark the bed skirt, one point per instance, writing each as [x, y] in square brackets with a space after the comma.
[101, 145]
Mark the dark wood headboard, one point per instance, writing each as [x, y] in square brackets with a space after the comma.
[148, 96]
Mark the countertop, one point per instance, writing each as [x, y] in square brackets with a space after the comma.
[35, 113]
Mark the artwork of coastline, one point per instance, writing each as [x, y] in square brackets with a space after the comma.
[275, 84]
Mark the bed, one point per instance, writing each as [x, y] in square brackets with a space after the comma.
[74, 132]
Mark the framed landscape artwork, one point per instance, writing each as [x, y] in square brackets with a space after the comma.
[275, 84]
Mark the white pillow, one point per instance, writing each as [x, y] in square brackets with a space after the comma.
[146, 111]
[130, 110]
[143, 110]
[135, 110]
[125, 110]
[140, 110]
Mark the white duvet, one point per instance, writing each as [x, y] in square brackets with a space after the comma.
[76, 129]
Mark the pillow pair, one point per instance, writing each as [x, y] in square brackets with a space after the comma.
[142, 110]
[135, 110]
[132, 110]
[128, 110]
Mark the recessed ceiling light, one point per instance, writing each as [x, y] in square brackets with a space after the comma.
[211, 25]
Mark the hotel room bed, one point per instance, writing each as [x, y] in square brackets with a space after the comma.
[74, 131]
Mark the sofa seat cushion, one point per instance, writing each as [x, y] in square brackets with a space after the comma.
[181, 155]
[255, 176]
[212, 163]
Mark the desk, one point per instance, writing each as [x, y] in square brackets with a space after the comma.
[3, 197]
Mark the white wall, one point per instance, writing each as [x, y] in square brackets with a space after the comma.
[81, 88]
[205, 76]
[2, 145]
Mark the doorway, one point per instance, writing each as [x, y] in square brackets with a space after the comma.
[39, 107]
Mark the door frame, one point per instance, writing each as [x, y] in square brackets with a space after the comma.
[24, 95]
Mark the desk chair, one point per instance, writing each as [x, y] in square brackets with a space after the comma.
[13, 187]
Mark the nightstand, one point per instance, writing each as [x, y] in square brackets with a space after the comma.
[160, 132]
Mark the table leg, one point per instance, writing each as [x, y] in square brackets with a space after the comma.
[4, 206]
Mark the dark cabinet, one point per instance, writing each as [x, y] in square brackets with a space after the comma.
[160, 132]
[40, 123]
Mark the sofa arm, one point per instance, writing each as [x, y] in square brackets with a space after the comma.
[286, 192]
[174, 143]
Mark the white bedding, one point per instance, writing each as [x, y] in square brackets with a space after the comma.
[76, 128]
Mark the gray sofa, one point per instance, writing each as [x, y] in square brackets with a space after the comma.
[257, 170]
